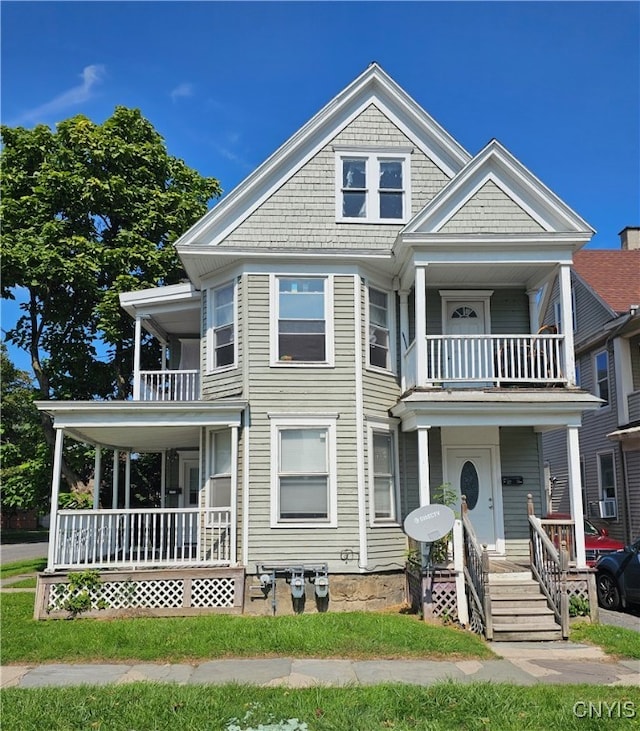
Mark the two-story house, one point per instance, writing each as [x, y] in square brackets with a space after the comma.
[360, 327]
[606, 325]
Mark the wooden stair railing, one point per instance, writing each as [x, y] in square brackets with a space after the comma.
[476, 571]
[549, 567]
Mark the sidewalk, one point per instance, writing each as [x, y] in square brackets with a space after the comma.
[521, 663]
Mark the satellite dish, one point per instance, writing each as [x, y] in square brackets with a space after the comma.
[429, 523]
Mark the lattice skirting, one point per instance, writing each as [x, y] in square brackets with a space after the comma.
[158, 592]
[443, 593]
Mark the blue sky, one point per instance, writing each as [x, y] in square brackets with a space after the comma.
[225, 83]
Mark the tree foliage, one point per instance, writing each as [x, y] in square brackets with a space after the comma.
[89, 211]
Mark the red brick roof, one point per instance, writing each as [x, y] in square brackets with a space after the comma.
[614, 274]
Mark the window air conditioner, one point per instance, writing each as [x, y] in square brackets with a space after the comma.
[608, 508]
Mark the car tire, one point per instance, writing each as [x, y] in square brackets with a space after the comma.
[608, 592]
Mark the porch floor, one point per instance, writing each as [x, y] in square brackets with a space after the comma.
[504, 566]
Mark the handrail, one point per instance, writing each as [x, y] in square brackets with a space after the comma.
[549, 567]
[476, 571]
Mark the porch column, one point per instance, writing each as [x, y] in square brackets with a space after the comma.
[97, 465]
[534, 323]
[575, 493]
[127, 481]
[567, 324]
[404, 335]
[136, 358]
[234, 494]
[115, 480]
[423, 466]
[55, 494]
[163, 478]
[421, 326]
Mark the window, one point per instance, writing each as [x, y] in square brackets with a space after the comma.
[303, 472]
[557, 311]
[372, 187]
[601, 368]
[379, 329]
[220, 469]
[383, 476]
[607, 483]
[303, 306]
[578, 374]
[222, 329]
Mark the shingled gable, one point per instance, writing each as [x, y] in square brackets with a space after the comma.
[373, 86]
[495, 164]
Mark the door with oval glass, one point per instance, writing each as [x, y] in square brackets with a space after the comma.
[469, 473]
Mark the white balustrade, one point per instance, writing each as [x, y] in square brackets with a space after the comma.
[142, 538]
[169, 385]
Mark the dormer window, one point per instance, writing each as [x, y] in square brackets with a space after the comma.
[372, 187]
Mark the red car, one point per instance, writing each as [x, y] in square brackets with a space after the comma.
[596, 540]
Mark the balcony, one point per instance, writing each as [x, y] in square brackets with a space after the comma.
[183, 385]
[486, 360]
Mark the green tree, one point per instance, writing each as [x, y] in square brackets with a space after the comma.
[24, 463]
[89, 211]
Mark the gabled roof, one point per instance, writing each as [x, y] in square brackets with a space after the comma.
[613, 274]
[495, 163]
[373, 86]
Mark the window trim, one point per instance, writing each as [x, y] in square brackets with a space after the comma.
[557, 313]
[283, 423]
[383, 428]
[601, 496]
[391, 319]
[596, 382]
[373, 156]
[329, 361]
[210, 344]
[211, 436]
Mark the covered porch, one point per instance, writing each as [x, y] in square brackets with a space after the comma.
[192, 524]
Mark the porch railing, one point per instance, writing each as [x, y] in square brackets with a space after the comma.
[169, 385]
[549, 567]
[147, 537]
[561, 531]
[476, 573]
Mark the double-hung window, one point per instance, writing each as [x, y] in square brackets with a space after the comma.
[303, 472]
[601, 369]
[372, 187]
[303, 320]
[222, 327]
[382, 465]
[607, 484]
[379, 329]
[220, 469]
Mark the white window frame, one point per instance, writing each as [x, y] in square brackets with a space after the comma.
[557, 313]
[211, 367]
[601, 487]
[596, 382]
[373, 157]
[212, 473]
[281, 423]
[384, 427]
[329, 361]
[391, 316]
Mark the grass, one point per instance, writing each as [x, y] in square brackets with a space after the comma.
[26, 566]
[15, 535]
[28, 583]
[440, 707]
[615, 641]
[179, 639]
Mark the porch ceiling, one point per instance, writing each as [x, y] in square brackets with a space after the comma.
[141, 426]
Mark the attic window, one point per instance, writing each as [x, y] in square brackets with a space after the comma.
[372, 187]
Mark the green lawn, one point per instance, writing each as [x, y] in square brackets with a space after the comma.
[26, 566]
[442, 707]
[616, 641]
[180, 639]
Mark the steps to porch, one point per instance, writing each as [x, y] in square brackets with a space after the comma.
[519, 609]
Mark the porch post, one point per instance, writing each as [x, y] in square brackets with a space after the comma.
[234, 493]
[97, 465]
[575, 493]
[423, 466]
[163, 478]
[115, 480]
[55, 494]
[127, 481]
[567, 324]
[404, 335]
[534, 324]
[136, 358]
[421, 326]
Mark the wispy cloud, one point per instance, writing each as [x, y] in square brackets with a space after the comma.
[91, 76]
[182, 90]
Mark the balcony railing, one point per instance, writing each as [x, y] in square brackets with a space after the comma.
[496, 359]
[142, 538]
[169, 385]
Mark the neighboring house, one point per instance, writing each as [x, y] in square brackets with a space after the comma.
[606, 325]
[359, 327]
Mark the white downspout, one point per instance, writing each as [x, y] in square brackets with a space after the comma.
[55, 494]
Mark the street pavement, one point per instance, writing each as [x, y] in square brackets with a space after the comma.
[520, 663]
[10, 552]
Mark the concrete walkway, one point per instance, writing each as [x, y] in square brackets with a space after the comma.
[522, 663]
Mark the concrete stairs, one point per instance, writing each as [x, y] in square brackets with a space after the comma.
[519, 609]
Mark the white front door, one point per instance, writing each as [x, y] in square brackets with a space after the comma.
[468, 357]
[190, 483]
[469, 472]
